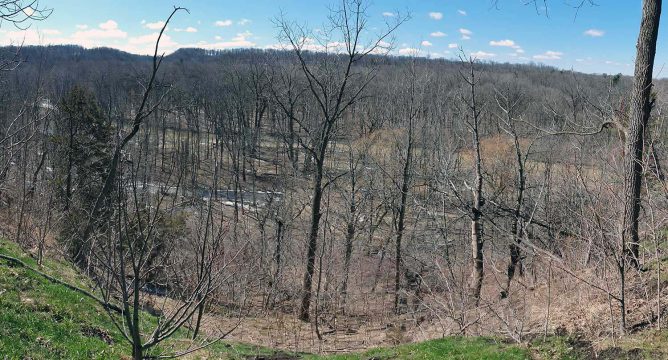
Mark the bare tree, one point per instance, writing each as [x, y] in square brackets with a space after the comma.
[335, 82]
[639, 112]
[509, 101]
[21, 12]
[472, 120]
[412, 112]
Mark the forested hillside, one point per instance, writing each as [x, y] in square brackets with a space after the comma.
[334, 201]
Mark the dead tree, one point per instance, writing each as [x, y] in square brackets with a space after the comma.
[472, 120]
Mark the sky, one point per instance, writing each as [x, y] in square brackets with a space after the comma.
[596, 38]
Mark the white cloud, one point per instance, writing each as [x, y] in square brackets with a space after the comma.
[223, 23]
[461, 12]
[145, 44]
[504, 43]
[243, 22]
[189, 29]
[615, 63]
[91, 37]
[482, 55]
[453, 46]
[438, 34]
[436, 15]
[243, 35]
[389, 14]
[106, 34]
[82, 26]
[155, 25]
[147, 39]
[508, 43]
[426, 43]
[239, 41]
[549, 55]
[109, 25]
[29, 37]
[466, 33]
[594, 32]
[409, 51]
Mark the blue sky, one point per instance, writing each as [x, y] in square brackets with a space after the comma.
[596, 39]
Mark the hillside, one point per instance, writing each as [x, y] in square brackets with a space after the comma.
[44, 320]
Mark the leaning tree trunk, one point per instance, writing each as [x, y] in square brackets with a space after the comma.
[640, 108]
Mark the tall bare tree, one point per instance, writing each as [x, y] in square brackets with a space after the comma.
[472, 120]
[639, 112]
[335, 82]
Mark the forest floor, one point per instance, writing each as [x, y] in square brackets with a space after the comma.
[43, 320]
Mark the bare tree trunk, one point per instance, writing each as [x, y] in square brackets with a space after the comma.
[278, 252]
[640, 109]
[517, 226]
[477, 241]
[477, 259]
[405, 183]
[350, 235]
[312, 241]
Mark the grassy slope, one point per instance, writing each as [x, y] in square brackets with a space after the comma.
[448, 348]
[45, 320]
[42, 320]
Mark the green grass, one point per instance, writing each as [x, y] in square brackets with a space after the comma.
[43, 320]
[561, 348]
[456, 348]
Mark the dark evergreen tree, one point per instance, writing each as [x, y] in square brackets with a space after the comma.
[82, 148]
